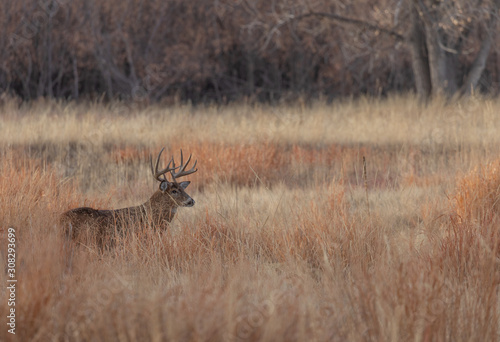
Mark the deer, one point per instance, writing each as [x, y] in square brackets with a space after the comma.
[158, 211]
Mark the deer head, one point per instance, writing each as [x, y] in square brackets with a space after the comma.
[174, 191]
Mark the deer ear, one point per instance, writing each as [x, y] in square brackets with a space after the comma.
[184, 185]
[163, 186]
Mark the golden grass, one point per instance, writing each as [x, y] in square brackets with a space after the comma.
[478, 194]
[281, 244]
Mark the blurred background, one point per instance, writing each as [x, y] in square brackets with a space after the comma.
[224, 50]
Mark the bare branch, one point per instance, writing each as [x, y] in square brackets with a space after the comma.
[340, 18]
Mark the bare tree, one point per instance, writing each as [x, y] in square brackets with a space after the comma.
[441, 36]
[444, 29]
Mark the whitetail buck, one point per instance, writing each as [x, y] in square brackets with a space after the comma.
[158, 211]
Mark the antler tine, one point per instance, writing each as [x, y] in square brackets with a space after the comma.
[158, 161]
[182, 168]
[157, 174]
[151, 164]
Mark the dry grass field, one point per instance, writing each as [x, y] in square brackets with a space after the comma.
[288, 240]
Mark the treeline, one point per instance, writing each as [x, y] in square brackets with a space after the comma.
[222, 50]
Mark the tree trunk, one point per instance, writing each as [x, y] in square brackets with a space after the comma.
[477, 67]
[441, 59]
[440, 64]
[419, 56]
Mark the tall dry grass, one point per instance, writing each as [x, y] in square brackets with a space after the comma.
[284, 243]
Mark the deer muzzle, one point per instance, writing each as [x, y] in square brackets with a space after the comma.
[189, 203]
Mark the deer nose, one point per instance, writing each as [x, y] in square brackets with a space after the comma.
[190, 203]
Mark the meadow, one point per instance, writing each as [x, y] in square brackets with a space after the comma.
[292, 238]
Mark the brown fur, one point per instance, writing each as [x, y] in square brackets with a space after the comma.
[102, 225]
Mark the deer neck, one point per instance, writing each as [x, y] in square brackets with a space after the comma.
[161, 207]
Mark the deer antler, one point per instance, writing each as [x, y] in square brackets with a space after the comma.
[157, 174]
[182, 167]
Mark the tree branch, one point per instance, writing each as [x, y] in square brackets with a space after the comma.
[335, 17]
[357, 22]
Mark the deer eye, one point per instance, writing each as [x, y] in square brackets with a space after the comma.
[175, 192]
